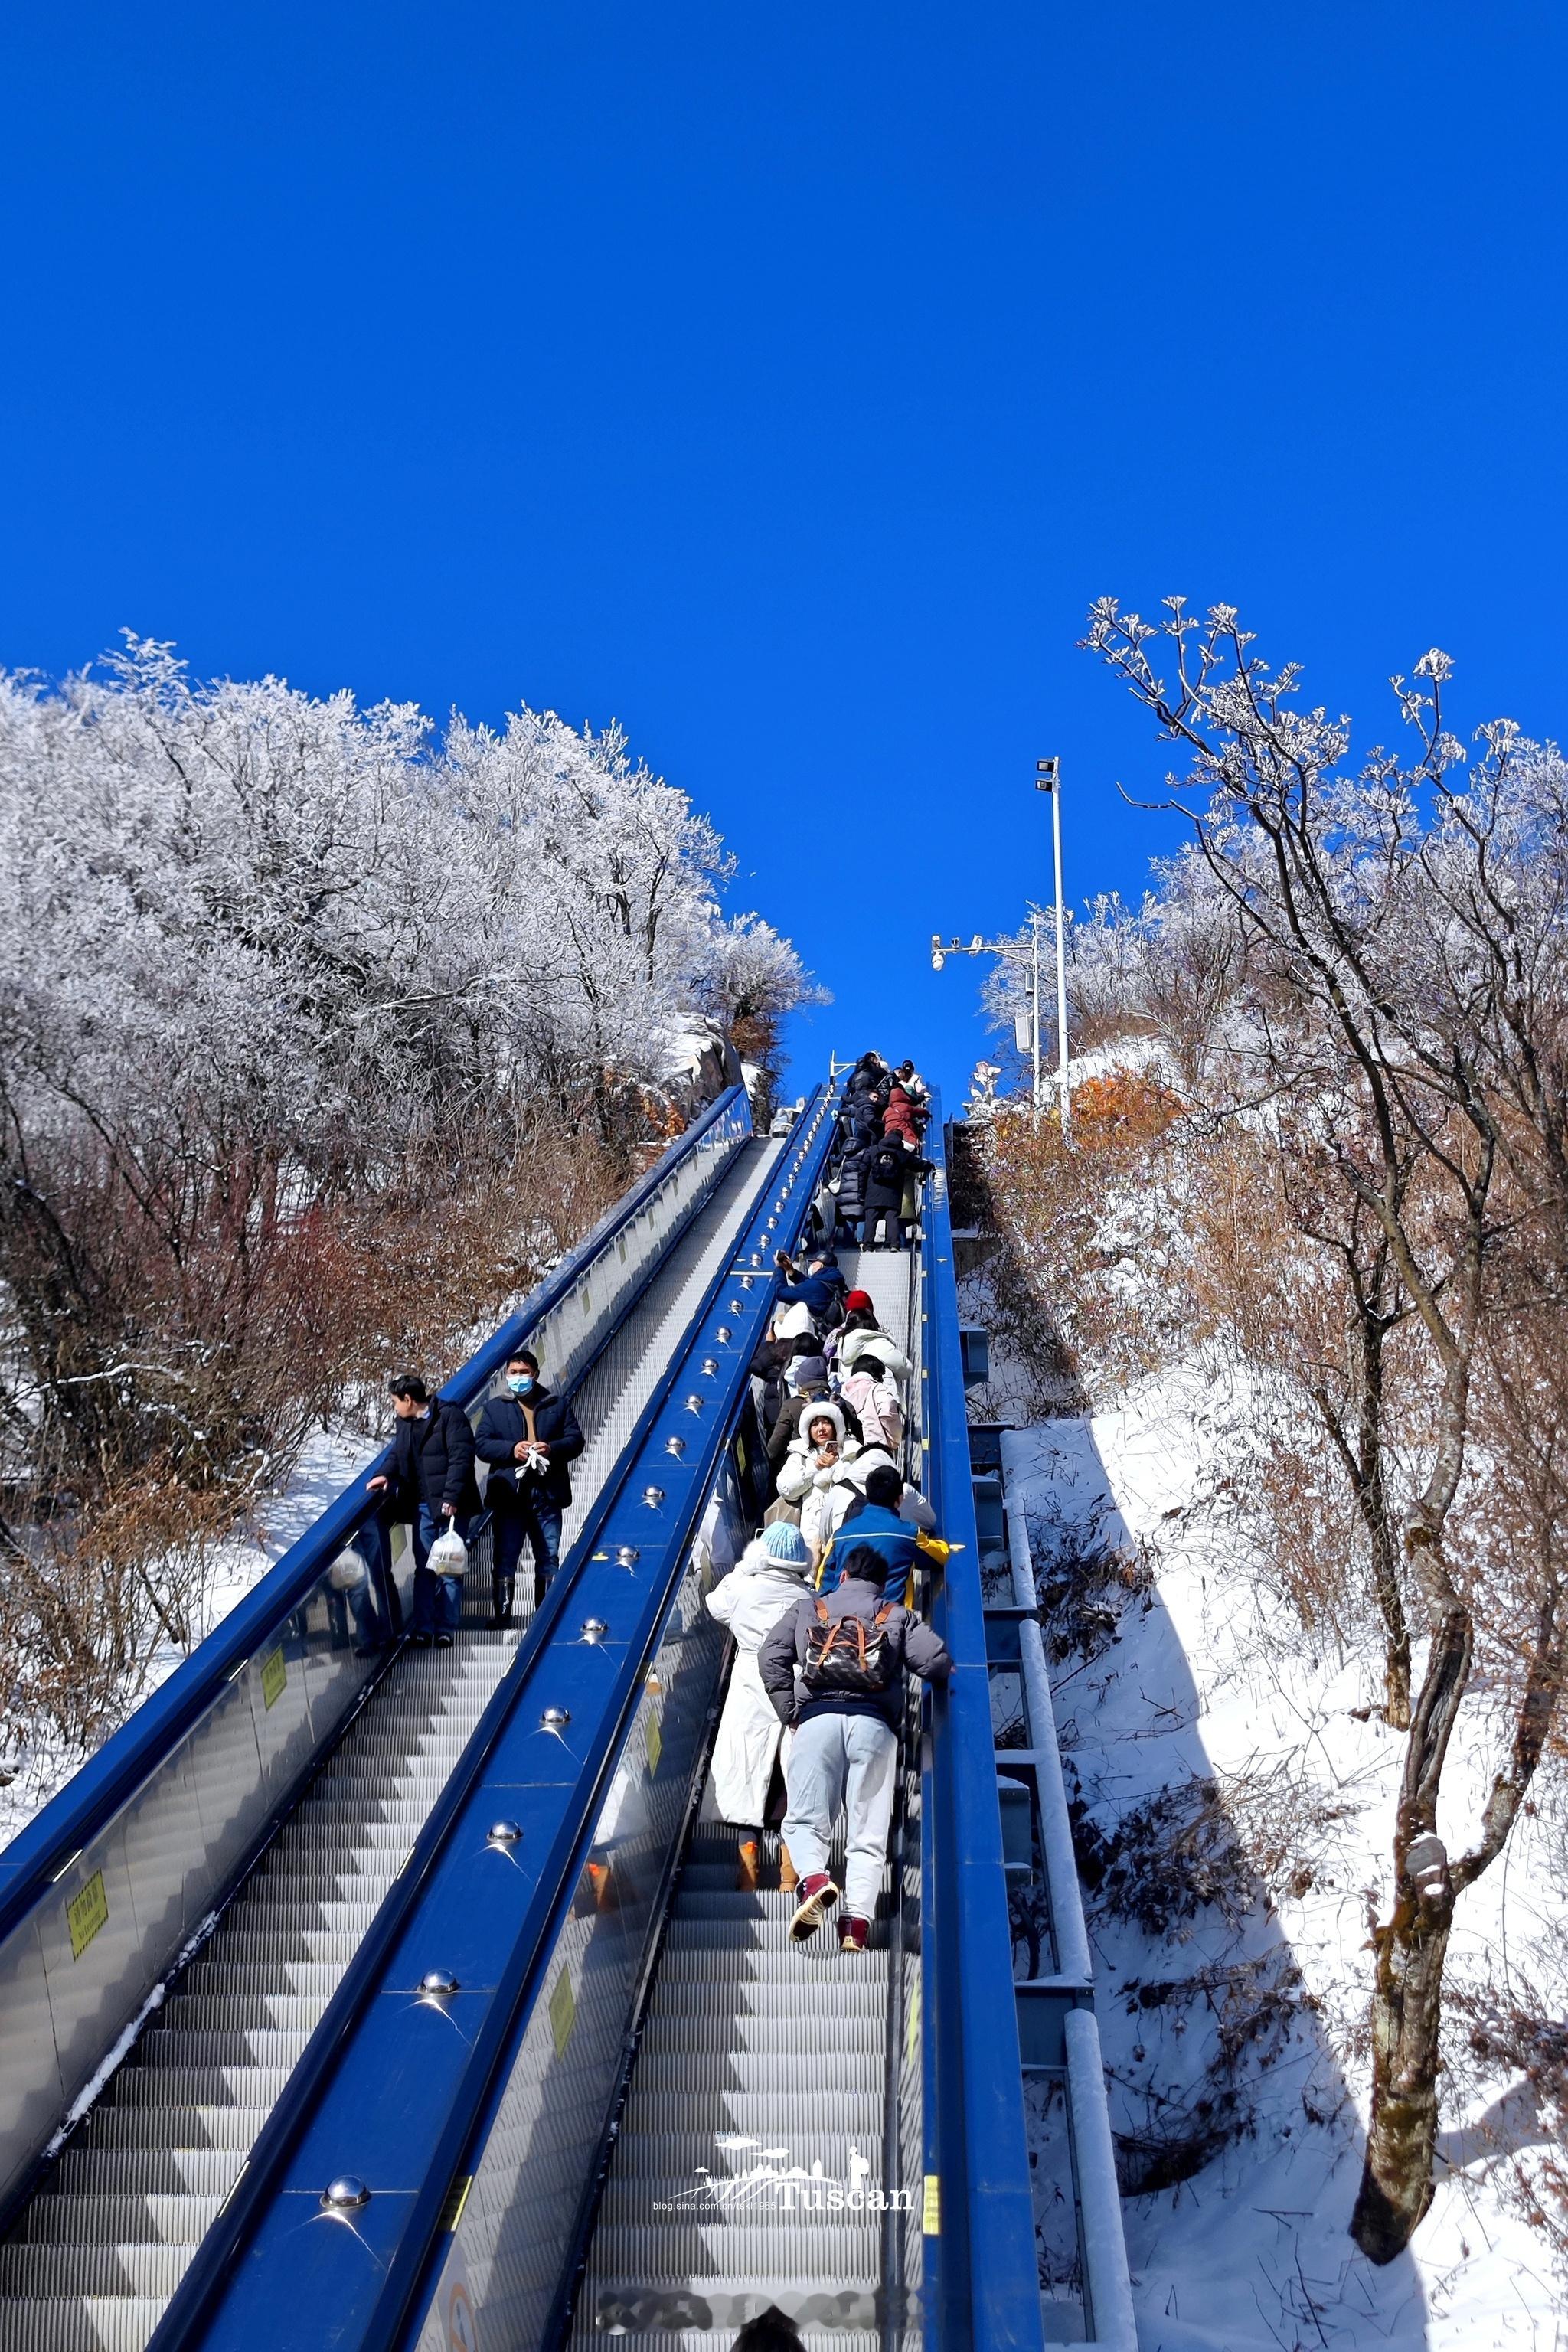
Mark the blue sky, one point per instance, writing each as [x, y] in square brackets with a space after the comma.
[785, 382]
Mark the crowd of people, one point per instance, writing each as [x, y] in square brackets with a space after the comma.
[877, 1183]
[818, 1603]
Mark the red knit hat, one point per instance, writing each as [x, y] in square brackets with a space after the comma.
[854, 1298]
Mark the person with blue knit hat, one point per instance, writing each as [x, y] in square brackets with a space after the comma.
[771, 1577]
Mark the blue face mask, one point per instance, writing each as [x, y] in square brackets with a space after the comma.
[519, 1383]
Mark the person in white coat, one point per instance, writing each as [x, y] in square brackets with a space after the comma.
[766, 1582]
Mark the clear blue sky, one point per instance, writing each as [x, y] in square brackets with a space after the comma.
[786, 381]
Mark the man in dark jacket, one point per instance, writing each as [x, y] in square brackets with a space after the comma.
[874, 1522]
[850, 1651]
[808, 1385]
[432, 1485]
[529, 1437]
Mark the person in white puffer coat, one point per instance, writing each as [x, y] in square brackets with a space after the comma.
[825, 1478]
[815, 1462]
[876, 1342]
[765, 1583]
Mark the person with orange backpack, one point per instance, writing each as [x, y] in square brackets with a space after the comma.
[834, 1666]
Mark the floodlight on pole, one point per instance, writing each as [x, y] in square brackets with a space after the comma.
[1048, 779]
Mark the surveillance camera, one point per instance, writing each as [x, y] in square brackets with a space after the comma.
[937, 959]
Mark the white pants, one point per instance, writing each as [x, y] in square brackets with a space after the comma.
[842, 1763]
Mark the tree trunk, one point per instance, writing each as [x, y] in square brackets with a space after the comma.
[1407, 1988]
[1407, 2013]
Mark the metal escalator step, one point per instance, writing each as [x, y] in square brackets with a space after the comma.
[675, 2155]
[691, 1945]
[223, 2129]
[807, 2127]
[185, 2085]
[164, 2169]
[236, 2011]
[755, 2245]
[51, 2271]
[739, 2070]
[802, 2041]
[775, 1909]
[320, 1978]
[250, 2046]
[84, 2323]
[789, 1996]
[156, 2219]
[763, 1935]
[722, 2339]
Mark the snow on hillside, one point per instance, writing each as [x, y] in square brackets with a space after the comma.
[1236, 1803]
[328, 1460]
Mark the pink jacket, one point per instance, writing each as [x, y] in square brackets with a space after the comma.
[876, 1402]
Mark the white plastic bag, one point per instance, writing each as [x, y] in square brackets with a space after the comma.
[448, 1555]
[348, 1572]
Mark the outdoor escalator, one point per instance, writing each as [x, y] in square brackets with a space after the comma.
[91, 2261]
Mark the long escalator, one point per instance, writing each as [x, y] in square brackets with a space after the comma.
[323, 2139]
[91, 2261]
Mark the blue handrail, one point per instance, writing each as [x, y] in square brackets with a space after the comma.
[33, 1861]
[982, 2256]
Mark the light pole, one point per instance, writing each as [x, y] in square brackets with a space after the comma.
[1009, 952]
[1048, 779]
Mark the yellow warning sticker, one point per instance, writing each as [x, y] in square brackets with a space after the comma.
[913, 2032]
[274, 1676]
[741, 1453]
[654, 1740]
[457, 2197]
[86, 1914]
[930, 2211]
[562, 2012]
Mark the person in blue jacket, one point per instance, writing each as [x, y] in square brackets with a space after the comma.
[877, 1525]
[530, 1436]
[820, 1290]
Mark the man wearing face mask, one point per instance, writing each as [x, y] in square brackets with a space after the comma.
[528, 1435]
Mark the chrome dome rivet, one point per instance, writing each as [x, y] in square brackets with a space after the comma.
[346, 2194]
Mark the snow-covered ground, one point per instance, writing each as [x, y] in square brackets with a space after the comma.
[1242, 1753]
[327, 1461]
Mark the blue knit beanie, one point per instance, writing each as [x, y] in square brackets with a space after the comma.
[786, 1544]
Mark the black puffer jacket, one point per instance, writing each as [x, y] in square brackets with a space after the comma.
[502, 1428]
[433, 1461]
[886, 1169]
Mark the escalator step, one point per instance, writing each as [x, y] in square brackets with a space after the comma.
[161, 2169]
[755, 2244]
[84, 2323]
[50, 2271]
[156, 2219]
[194, 2130]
